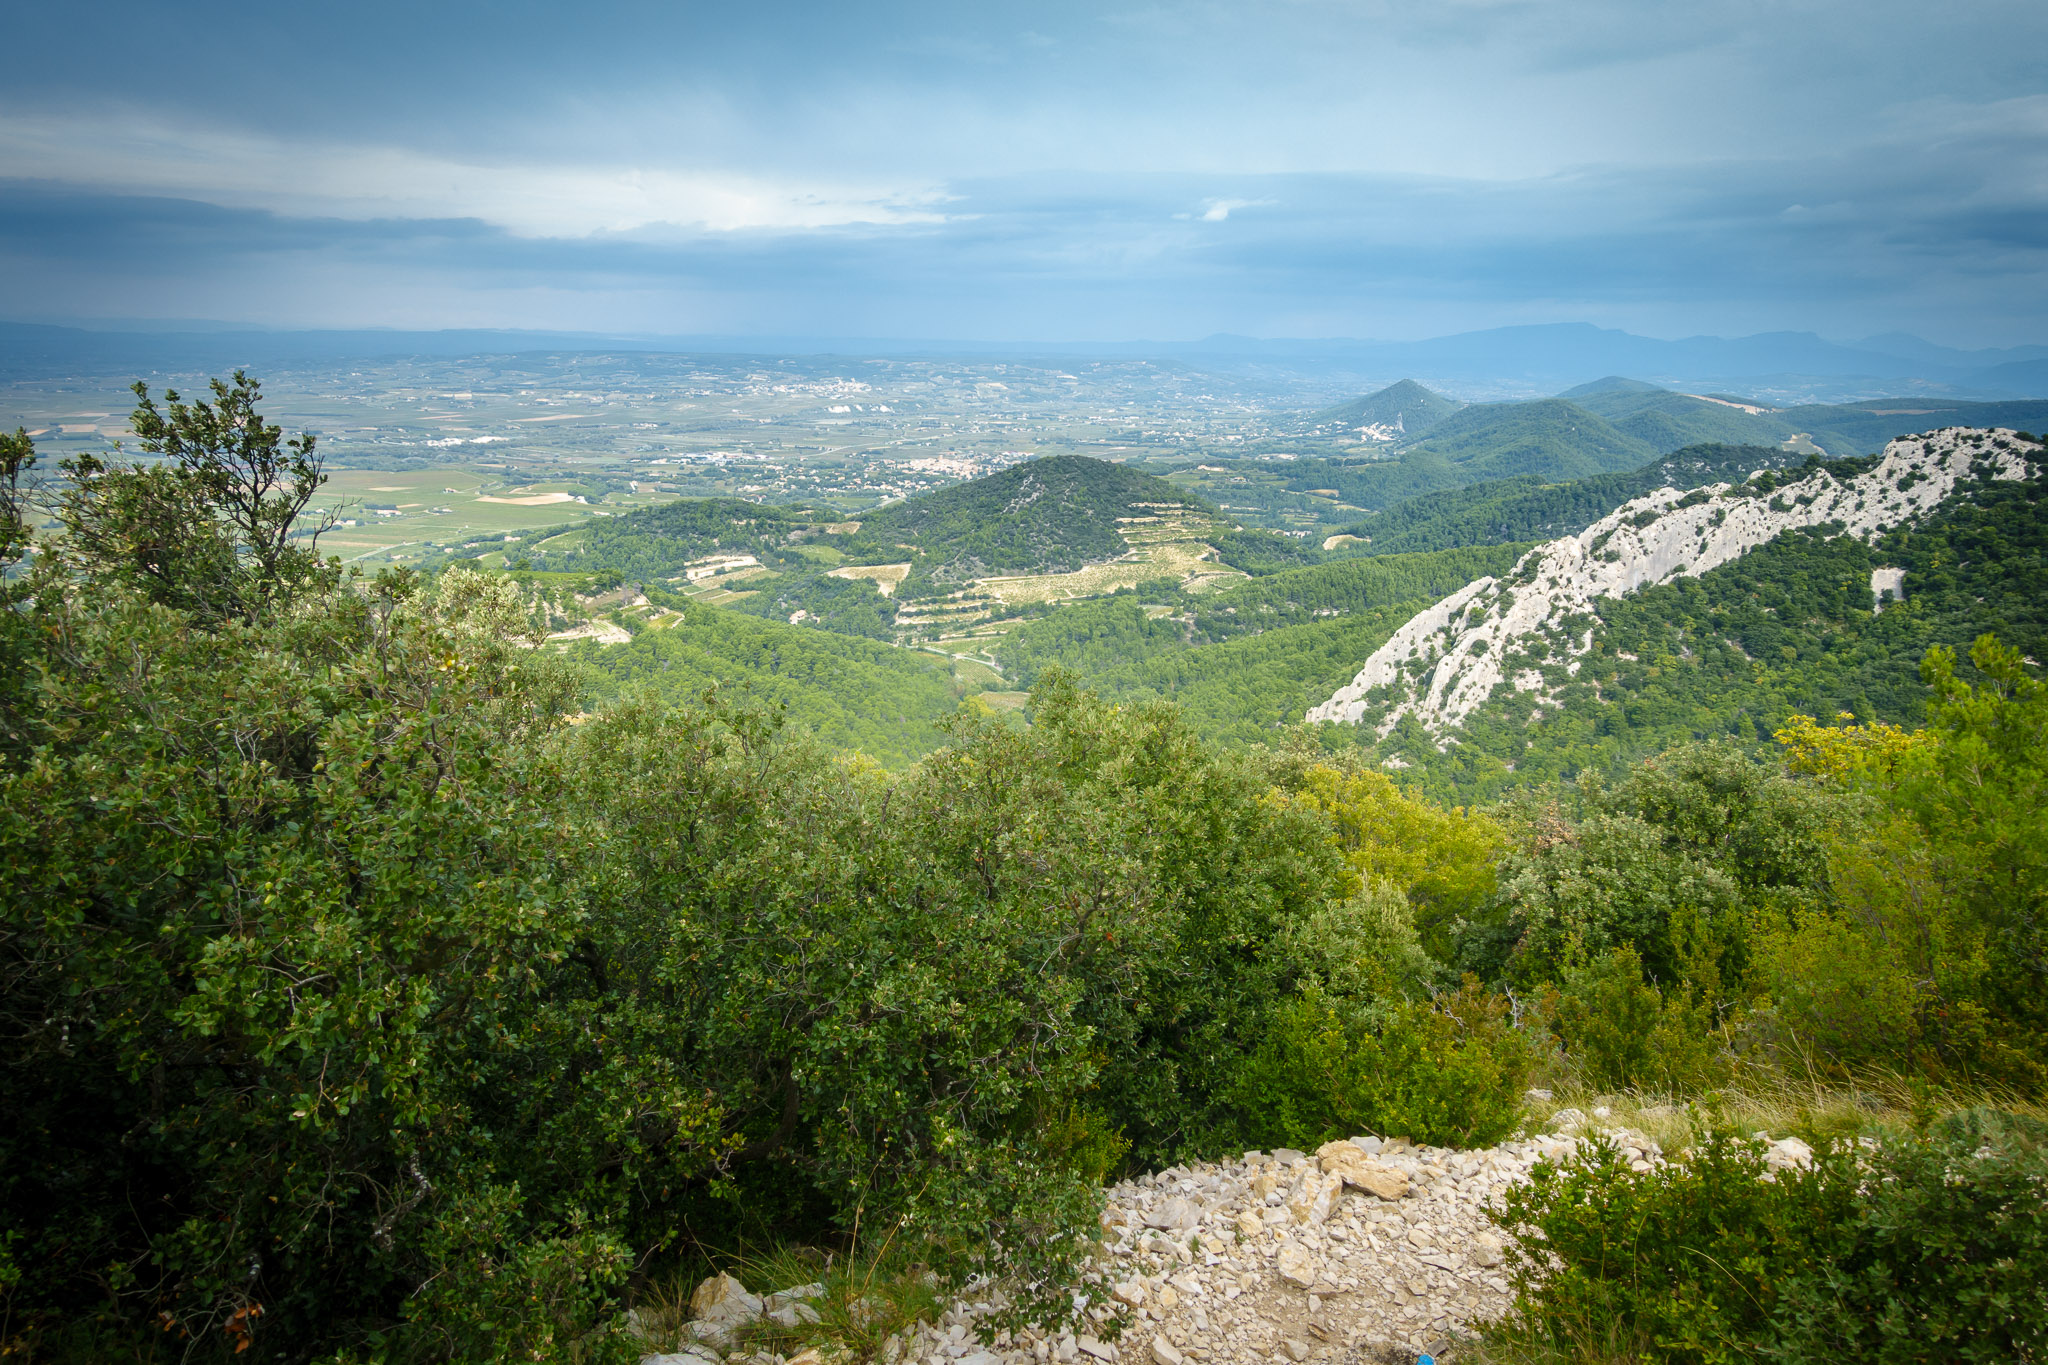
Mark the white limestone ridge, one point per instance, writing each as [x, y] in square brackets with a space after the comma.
[1446, 661]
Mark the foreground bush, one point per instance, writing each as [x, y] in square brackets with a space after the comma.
[1924, 1249]
[1445, 1072]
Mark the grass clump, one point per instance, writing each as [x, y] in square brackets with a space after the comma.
[848, 1306]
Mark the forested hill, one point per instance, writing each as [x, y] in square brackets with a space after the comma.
[1529, 507]
[1550, 436]
[1048, 516]
[1550, 439]
[1859, 428]
[658, 541]
[853, 694]
[1666, 419]
[1404, 409]
[1243, 662]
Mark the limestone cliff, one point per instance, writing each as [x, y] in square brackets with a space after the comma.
[1445, 662]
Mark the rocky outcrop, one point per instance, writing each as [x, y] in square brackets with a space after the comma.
[1520, 630]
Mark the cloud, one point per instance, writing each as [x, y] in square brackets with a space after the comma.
[1217, 210]
[370, 181]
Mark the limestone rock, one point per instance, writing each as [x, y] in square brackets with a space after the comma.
[724, 1299]
[1313, 1196]
[713, 1332]
[1296, 1348]
[1165, 1352]
[1295, 1265]
[1174, 1215]
[1787, 1153]
[1388, 1182]
[1099, 1349]
[1336, 1157]
[1486, 1250]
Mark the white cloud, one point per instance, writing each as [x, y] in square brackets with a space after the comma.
[363, 182]
[1217, 210]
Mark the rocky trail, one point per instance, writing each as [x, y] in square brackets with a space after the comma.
[1367, 1250]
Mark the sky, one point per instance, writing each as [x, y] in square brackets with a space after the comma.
[1091, 172]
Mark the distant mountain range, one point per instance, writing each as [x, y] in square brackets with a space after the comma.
[1608, 426]
[1527, 359]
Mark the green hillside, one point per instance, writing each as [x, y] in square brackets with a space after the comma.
[851, 693]
[1405, 407]
[1677, 421]
[1254, 657]
[1592, 395]
[1549, 437]
[1048, 516]
[1528, 508]
[1669, 420]
[655, 542]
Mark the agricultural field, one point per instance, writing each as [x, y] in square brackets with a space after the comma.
[1191, 562]
[384, 514]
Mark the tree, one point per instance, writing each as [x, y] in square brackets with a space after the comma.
[213, 528]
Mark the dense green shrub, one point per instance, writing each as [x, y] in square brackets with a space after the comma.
[1947, 1258]
[1922, 1249]
[1673, 861]
[1168, 873]
[1621, 1033]
[1448, 1071]
[1933, 952]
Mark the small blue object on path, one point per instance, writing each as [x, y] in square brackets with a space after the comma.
[1425, 1360]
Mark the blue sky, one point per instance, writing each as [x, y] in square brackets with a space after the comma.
[1085, 172]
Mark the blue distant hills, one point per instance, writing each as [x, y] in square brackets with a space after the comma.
[1536, 359]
